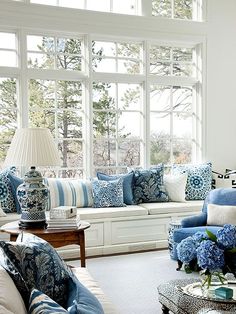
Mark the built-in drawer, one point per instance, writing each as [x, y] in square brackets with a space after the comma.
[139, 230]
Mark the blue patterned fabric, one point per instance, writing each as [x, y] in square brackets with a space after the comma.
[149, 185]
[37, 265]
[15, 182]
[199, 179]
[127, 184]
[108, 193]
[69, 192]
[40, 303]
[7, 200]
[81, 300]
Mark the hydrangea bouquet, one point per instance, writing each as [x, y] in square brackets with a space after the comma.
[213, 254]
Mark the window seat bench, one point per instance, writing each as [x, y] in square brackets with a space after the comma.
[124, 229]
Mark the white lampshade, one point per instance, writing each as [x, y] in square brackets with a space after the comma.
[32, 147]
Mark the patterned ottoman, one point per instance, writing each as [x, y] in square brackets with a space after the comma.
[177, 302]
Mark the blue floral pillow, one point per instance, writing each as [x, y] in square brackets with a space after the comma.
[127, 184]
[199, 179]
[149, 185]
[40, 303]
[35, 264]
[7, 200]
[108, 193]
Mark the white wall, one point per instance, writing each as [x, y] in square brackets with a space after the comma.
[221, 84]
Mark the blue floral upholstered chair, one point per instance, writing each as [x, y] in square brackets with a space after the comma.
[219, 208]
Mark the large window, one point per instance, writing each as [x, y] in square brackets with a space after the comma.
[110, 104]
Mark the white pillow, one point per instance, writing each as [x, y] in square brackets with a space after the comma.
[10, 298]
[175, 186]
[219, 215]
[2, 214]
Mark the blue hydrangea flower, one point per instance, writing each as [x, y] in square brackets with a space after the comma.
[199, 236]
[186, 250]
[210, 256]
[226, 237]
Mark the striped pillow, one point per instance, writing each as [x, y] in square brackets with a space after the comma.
[68, 192]
[40, 303]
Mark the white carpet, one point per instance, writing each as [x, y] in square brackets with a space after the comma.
[130, 281]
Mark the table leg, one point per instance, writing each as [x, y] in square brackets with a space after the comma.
[165, 309]
[82, 248]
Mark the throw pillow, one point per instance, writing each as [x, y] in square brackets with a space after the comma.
[81, 300]
[108, 193]
[224, 180]
[10, 297]
[7, 200]
[219, 215]
[69, 192]
[149, 185]
[199, 179]
[40, 303]
[127, 184]
[35, 264]
[15, 182]
[175, 187]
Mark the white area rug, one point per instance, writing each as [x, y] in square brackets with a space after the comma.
[130, 281]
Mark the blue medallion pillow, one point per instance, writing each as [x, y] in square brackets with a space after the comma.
[40, 303]
[149, 185]
[108, 193]
[127, 184]
[199, 179]
[34, 264]
[7, 200]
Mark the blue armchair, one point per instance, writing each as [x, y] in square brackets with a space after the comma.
[191, 225]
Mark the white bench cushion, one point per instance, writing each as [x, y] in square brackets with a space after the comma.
[172, 207]
[111, 212]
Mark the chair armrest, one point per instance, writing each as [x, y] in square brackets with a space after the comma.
[194, 221]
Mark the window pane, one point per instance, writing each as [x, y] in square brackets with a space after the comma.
[183, 9]
[129, 153]
[161, 8]
[74, 156]
[127, 7]
[160, 98]
[160, 124]
[49, 53]
[104, 124]
[182, 125]
[8, 114]
[104, 48]
[104, 153]
[101, 5]
[182, 151]
[77, 4]
[182, 99]
[7, 40]
[69, 94]
[8, 58]
[160, 149]
[129, 125]
[69, 124]
[117, 57]
[129, 96]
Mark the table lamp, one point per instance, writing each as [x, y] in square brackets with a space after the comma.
[31, 147]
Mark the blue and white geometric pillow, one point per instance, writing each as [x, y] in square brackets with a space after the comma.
[149, 185]
[40, 303]
[199, 179]
[108, 193]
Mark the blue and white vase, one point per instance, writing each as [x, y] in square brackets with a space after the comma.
[32, 195]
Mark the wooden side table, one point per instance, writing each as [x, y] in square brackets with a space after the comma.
[56, 237]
